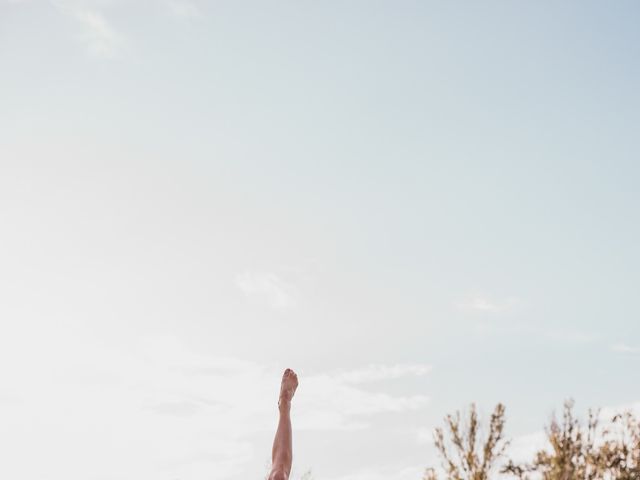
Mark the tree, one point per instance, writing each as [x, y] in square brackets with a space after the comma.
[573, 454]
[620, 451]
[464, 455]
[588, 452]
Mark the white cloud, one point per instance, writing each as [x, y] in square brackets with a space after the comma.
[477, 304]
[183, 9]
[624, 348]
[481, 303]
[338, 404]
[524, 447]
[268, 287]
[607, 413]
[571, 336]
[98, 36]
[406, 473]
[424, 435]
[373, 373]
[331, 401]
[160, 411]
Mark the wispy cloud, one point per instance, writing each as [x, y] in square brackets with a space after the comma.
[404, 473]
[524, 447]
[483, 303]
[183, 9]
[330, 404]
[186, 415]
[624, 348]
[570, 336]
[334, 402]
[490, 315]
[98, 36]
[424, 435]
[373, 373]
[267, 287]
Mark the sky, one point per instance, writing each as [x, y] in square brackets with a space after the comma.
[414, 205]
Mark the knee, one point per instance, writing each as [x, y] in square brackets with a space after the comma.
[278, 475]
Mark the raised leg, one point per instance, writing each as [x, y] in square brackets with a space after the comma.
[282, 451]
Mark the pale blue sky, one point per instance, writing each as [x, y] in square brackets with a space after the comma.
[445, 190]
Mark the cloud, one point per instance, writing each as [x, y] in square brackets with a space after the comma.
[268, 287]
[606, 413]
[404, 473]
[98, 36]
[332, 402]
[183, 9]
[424, 435]
[524, 447]
[373, 373]
[160, 410]
[624, 348]
[481, 303]
[571, 336]
[494, 322]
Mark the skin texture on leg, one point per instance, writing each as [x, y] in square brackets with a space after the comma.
[282, 451]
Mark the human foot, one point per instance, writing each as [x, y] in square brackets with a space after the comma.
[287, 387]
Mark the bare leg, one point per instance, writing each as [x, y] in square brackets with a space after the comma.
[282, 452]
